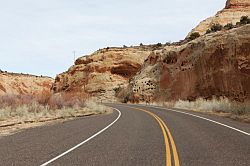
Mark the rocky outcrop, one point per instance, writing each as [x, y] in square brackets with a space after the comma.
[24, 84]
[237, 4]
[100, 75]
[232, 13]
[216, 64]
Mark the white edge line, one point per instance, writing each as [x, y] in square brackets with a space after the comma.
[80, 144]
[243, 132]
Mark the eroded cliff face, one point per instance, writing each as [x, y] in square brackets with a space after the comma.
[232, 13]
[102, 73]
[24, 84]
[216, 64]
[237, 4]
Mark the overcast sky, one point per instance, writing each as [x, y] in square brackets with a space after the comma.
[39, 36]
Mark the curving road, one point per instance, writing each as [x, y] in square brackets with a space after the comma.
[132, 135]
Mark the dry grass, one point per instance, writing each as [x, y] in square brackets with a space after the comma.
[24, 108]
[235, 110]
[215, 105]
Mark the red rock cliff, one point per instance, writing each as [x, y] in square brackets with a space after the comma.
[217, 64]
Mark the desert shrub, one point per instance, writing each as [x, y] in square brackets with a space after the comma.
[170, 58]
[240, 109]
[208, 31]
[194, 35]
[16, 100]
[56, 101]
[94, 106]
[61, 100]
[159, 45]
[216, 27]
[244, 20]
[5, 113]
[228, 26]
[24, 112]
[43, 97]
[24, 108]
[216, 105]
[238, 24]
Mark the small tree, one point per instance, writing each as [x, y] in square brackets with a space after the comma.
[216, 27]
[244, 20]
[194, 35]
[228, 26]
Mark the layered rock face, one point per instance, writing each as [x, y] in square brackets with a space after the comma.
[24, 84]
[237, 4]
[102, 73]
[216, 64]
[232, 13]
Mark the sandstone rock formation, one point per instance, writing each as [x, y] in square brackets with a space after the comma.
[23, 84]
[232, 13]
[100, 75]
[237, 4]
[216, 64]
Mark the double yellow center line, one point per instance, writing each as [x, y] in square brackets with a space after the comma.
[168, 138]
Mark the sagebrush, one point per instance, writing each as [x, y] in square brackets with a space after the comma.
[25, 108]
[215, 105]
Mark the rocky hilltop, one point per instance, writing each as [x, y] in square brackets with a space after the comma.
[216, 64]
[100, 74]
[232, 13]
[23, 84]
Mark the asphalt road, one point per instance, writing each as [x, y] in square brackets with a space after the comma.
[132, 135]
